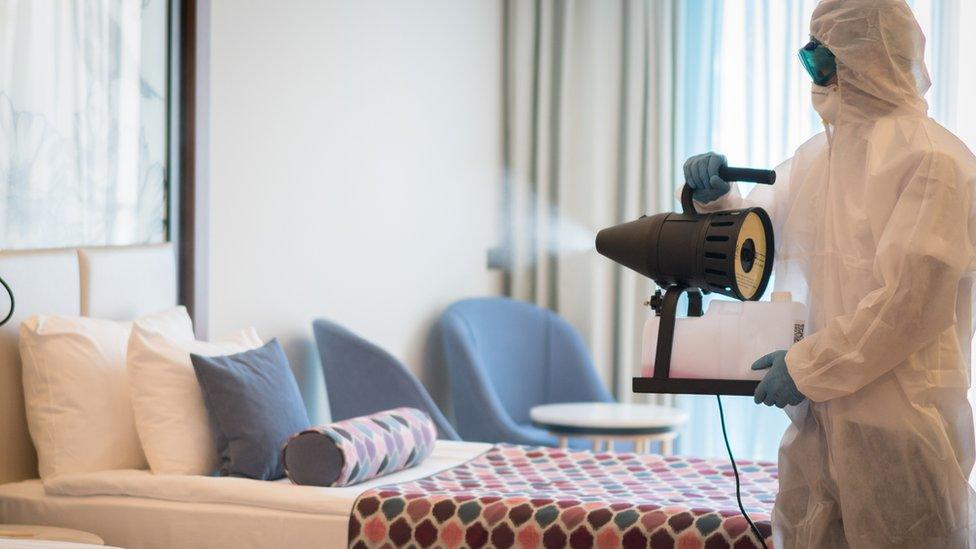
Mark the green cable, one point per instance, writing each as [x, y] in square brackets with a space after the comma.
[735, 471]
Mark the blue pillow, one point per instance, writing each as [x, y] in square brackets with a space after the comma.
[254, 406]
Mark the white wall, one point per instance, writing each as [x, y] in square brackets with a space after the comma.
[355, 162]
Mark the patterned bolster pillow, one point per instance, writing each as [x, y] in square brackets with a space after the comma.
[358, 449]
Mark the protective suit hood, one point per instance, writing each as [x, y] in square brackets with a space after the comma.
[880, 50]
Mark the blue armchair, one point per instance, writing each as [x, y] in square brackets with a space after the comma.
[361, 378]
[503, 357]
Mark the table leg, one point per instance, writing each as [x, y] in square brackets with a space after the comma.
[642, 445]
[597, 444]
[667, 446]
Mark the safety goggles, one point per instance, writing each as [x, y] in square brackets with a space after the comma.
[819, 62]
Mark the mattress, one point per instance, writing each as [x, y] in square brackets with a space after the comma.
[136, 509]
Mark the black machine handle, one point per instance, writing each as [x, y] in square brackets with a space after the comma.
[730, 174]
[747, 175]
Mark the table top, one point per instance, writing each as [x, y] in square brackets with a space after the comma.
[607, 417]
[35, 532]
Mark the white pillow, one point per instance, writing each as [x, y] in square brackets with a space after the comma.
[170, 414]
[76, 395]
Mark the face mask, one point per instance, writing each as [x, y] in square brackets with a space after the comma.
[826, 100]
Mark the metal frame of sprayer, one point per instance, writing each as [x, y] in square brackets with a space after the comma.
[689, 252]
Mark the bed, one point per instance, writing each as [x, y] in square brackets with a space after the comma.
[136, 509]
[464, 494]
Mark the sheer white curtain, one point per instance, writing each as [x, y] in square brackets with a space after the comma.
[746, 96]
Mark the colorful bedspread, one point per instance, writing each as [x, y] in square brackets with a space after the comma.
[516, 496]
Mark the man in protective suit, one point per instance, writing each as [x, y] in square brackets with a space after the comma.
[875, 231]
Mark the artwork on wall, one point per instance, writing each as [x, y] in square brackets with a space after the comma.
[83, 122]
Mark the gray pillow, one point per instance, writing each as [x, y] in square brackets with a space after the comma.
[254, 406]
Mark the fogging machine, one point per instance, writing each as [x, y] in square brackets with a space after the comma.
[727, 252]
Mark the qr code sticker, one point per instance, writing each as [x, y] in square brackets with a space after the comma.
[798, 332]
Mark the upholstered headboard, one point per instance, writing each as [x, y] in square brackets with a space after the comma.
[114, 283]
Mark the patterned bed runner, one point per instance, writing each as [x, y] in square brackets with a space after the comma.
[517, 496]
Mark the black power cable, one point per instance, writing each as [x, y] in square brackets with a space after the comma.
[10, 292]
[735, 471]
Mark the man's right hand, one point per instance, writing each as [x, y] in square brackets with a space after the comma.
[701, 174]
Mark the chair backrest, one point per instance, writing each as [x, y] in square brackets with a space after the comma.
[361, 378]
[529, 355]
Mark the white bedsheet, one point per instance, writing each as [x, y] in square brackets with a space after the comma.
[142, 523]
[137, 509]
[281, 495]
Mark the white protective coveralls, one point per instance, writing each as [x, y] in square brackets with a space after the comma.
[875, 232]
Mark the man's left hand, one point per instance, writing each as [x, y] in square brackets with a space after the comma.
[777, 388]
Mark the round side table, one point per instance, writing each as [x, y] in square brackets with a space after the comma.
[607, 422]
[35, 532]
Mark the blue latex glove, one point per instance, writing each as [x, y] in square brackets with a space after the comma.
[777, 388]
[701, 174]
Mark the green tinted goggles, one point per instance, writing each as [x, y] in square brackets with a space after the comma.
[819, 62]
